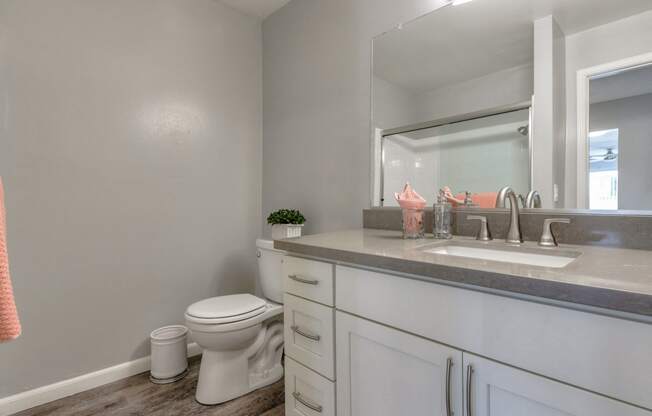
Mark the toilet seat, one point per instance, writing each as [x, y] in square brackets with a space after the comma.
[214, 325]
[226, 309]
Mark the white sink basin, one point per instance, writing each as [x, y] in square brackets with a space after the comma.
[507, 256]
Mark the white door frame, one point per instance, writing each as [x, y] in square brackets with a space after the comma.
[583, 80]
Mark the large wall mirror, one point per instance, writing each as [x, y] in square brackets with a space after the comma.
[549, 97]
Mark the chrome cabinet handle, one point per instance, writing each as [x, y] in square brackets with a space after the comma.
[308, 335]
[296, 278]
[317, 408]
[449, 366]
[469, 402]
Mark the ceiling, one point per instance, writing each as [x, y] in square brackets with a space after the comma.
[258, 8]
[457, 43]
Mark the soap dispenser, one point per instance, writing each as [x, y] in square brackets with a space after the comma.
[441, 214]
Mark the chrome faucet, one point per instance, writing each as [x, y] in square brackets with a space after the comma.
[502, 196]
[532, 200]
[514, 234]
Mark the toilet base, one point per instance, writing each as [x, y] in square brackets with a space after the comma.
[222, 389]
[226, 375]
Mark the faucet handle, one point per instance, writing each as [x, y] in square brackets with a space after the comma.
[547, 237]
[483, 233]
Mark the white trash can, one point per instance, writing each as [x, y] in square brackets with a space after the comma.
[169, 354]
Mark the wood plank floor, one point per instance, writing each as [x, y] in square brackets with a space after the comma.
[137, 396]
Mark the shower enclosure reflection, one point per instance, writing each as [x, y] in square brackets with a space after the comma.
[479, 156]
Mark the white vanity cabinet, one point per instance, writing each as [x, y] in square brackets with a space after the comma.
[382, 371]
[385, 372]
[372, 343]
[492, 389]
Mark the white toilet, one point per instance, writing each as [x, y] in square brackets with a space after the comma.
[241, 335]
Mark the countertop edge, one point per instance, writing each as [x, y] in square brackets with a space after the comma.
[604, 298]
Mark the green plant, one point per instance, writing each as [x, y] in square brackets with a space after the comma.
[286, 216]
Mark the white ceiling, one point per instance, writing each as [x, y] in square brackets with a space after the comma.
[458, 43]
[258, 8]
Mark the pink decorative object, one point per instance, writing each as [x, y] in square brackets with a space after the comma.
[412, 205]
[9, 323]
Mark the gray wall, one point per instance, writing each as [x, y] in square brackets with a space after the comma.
[393, 105]
[317, 79]
[502, 88]
[600, 45]
[633, 118]
[131, 159]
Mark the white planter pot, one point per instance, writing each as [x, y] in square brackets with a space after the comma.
[283, 231]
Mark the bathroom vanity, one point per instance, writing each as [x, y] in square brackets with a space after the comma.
[378, 325]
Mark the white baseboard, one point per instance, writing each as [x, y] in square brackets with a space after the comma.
[36, 397]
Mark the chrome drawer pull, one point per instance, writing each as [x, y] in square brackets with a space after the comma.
[449, 366]
[300, 280]
[308, 335]
[469, 398]
[317, 408]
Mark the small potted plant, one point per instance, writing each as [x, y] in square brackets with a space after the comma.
[286, 223]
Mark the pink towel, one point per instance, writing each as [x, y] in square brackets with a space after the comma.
[9, 324]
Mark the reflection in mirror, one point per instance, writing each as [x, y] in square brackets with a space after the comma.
[478, 156]
[582, 67]
[456, 60]
[619, 147]
[445, 96]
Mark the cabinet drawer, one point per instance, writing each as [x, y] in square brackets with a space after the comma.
[309, 279]
[306, 392]
[309, 334]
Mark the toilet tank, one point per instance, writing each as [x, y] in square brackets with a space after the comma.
[269, 270]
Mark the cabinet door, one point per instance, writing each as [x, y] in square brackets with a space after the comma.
[499, 390]
[385, 372]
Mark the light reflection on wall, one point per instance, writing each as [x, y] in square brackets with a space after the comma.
[176, 122]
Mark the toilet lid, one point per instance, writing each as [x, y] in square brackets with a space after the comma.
[230, 306]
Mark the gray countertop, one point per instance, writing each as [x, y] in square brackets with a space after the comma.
[610, 278]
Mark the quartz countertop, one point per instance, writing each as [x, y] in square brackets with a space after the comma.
[610, 278]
